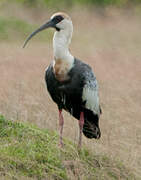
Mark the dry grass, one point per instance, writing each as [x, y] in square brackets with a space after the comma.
[111, 45]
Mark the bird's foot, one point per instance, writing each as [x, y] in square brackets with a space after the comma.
[79, 146]
[61, 145]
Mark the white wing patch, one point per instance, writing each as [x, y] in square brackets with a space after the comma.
[46, 68]
[90, 95]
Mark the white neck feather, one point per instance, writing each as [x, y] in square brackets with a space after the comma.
[61, 41]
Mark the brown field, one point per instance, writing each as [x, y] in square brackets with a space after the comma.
[111, 44]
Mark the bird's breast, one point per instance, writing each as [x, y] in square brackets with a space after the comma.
[61, 69]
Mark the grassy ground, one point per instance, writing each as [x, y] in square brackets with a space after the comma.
[110, 42]
[27, 152]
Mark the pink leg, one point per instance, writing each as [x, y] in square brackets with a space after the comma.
[81, 123]
[61, 123]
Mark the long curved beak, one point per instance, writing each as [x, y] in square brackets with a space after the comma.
[44, 26]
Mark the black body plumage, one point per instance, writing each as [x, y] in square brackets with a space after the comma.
[68, 95]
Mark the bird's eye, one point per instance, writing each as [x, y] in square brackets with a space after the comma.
[57, 19]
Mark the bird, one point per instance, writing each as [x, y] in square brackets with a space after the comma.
[70, 82]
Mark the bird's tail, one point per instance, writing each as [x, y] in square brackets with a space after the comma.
[91, 125]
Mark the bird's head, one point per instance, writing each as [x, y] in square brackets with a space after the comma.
[59, 21]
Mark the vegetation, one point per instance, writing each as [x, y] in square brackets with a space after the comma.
[12, 28]
[68, 3]
[29, 152]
